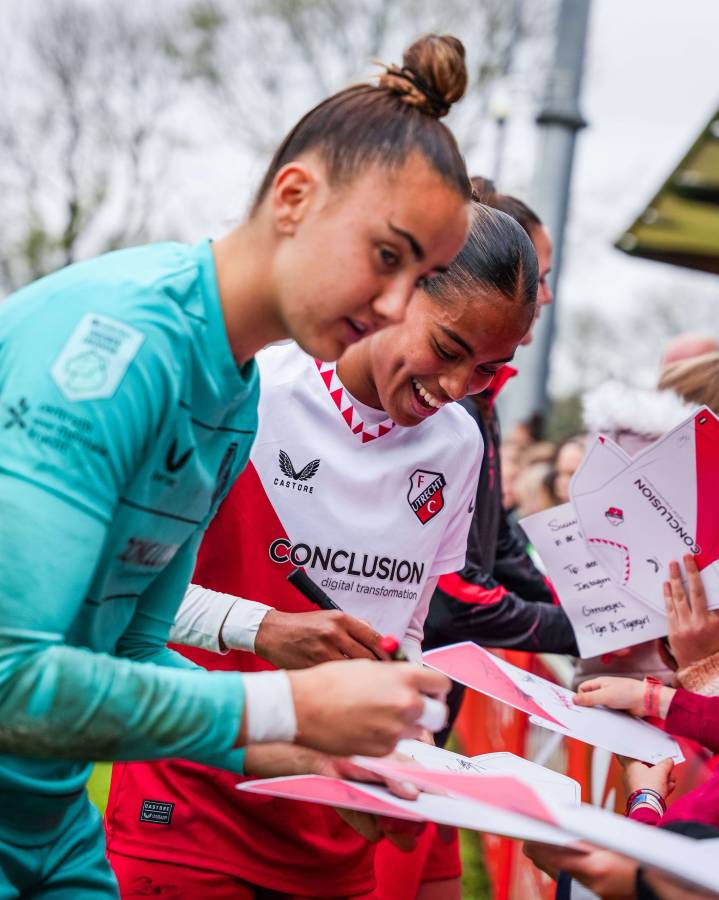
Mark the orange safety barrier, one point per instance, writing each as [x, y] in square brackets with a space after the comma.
[487, 726]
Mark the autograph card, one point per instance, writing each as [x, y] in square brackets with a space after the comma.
[617, 732]
[430, 807]
[604, 616]
[545, 781]
[660, 507]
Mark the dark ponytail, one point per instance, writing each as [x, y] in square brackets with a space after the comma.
[484, 191]
[498, 255]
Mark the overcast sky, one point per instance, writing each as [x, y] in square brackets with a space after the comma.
[651, 84]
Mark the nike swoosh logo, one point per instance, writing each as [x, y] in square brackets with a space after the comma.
[173, 462]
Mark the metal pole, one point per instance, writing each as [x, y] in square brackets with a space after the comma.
[559, 121]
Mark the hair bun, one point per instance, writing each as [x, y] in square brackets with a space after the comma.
[433, 75]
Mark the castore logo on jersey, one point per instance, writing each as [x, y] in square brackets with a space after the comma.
[296, 480]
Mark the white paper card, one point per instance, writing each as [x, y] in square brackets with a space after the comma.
[604, 616]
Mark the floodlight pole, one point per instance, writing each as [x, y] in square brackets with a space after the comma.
[559, 120]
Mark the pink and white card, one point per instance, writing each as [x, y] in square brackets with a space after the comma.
[474, 667]
[617, 732]
[431, 807]
[545, 781]
[658, 508]
[508, 807]
[604, 615]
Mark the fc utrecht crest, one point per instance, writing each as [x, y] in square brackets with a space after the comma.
[425, 494]
[614, 515]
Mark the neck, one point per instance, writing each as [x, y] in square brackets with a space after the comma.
[243, 259]
[355, 372]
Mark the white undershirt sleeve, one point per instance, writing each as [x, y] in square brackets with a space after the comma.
[412, 640]
[211, 620]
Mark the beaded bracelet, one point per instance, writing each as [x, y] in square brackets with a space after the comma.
[646, 797]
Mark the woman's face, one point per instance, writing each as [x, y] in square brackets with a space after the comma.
[444, 351]
[543, 248]
[358, 250]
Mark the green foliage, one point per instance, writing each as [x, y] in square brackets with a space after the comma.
[475, 880]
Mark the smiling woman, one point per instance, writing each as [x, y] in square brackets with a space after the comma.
[463, 326]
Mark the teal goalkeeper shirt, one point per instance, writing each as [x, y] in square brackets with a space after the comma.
[124, 419]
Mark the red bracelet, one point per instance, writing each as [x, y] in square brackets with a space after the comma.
[652, 688]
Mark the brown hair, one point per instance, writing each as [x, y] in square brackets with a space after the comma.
[386, 122]
[486, 192]
[695, 380]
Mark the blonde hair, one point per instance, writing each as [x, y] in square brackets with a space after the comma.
[695, 380]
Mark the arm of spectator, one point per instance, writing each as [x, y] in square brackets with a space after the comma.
[687, 714]
[641, 779]
[696, 717]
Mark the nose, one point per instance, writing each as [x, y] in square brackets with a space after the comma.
[390, 305]
[461, 381]
[544, 294]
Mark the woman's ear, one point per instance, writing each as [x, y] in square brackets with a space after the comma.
[293, 189]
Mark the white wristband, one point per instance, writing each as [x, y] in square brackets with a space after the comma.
[242, 623]
[269, 707]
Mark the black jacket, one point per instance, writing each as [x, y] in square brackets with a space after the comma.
[499, 598]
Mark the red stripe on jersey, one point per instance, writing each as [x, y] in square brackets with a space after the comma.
[288, 846]
[465, 592]
[343, 402]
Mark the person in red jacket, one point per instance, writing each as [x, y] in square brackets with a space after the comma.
[686, 714]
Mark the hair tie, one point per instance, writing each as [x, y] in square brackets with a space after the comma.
[438, 105]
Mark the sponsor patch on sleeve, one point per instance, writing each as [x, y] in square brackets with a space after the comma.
[95, 357]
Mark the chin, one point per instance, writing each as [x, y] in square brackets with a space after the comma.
[321, 346]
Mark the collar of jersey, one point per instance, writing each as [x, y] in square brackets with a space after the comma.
[365, 433]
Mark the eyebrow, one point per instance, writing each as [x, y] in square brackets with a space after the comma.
[465, 346]
[417, 250]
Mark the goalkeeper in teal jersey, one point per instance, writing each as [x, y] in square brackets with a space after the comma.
[128, 404]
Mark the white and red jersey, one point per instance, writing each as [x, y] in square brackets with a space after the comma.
[371, 511]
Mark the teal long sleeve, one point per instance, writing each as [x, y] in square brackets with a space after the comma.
[69, 702]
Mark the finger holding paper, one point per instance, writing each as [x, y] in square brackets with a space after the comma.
[692, 627]
[614, 693]
[638, 776]
[640, 698]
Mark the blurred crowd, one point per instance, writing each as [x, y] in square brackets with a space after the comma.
[536, 472]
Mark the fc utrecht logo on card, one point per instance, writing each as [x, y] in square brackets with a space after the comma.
[614, 516]
[425, 494]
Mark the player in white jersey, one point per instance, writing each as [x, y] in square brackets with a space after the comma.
[363, 474]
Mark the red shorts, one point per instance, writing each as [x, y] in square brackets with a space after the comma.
[399, 874]
[138, 878]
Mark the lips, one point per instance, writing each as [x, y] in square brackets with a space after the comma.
[355, 330]
[427, 398]
[423, 401]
